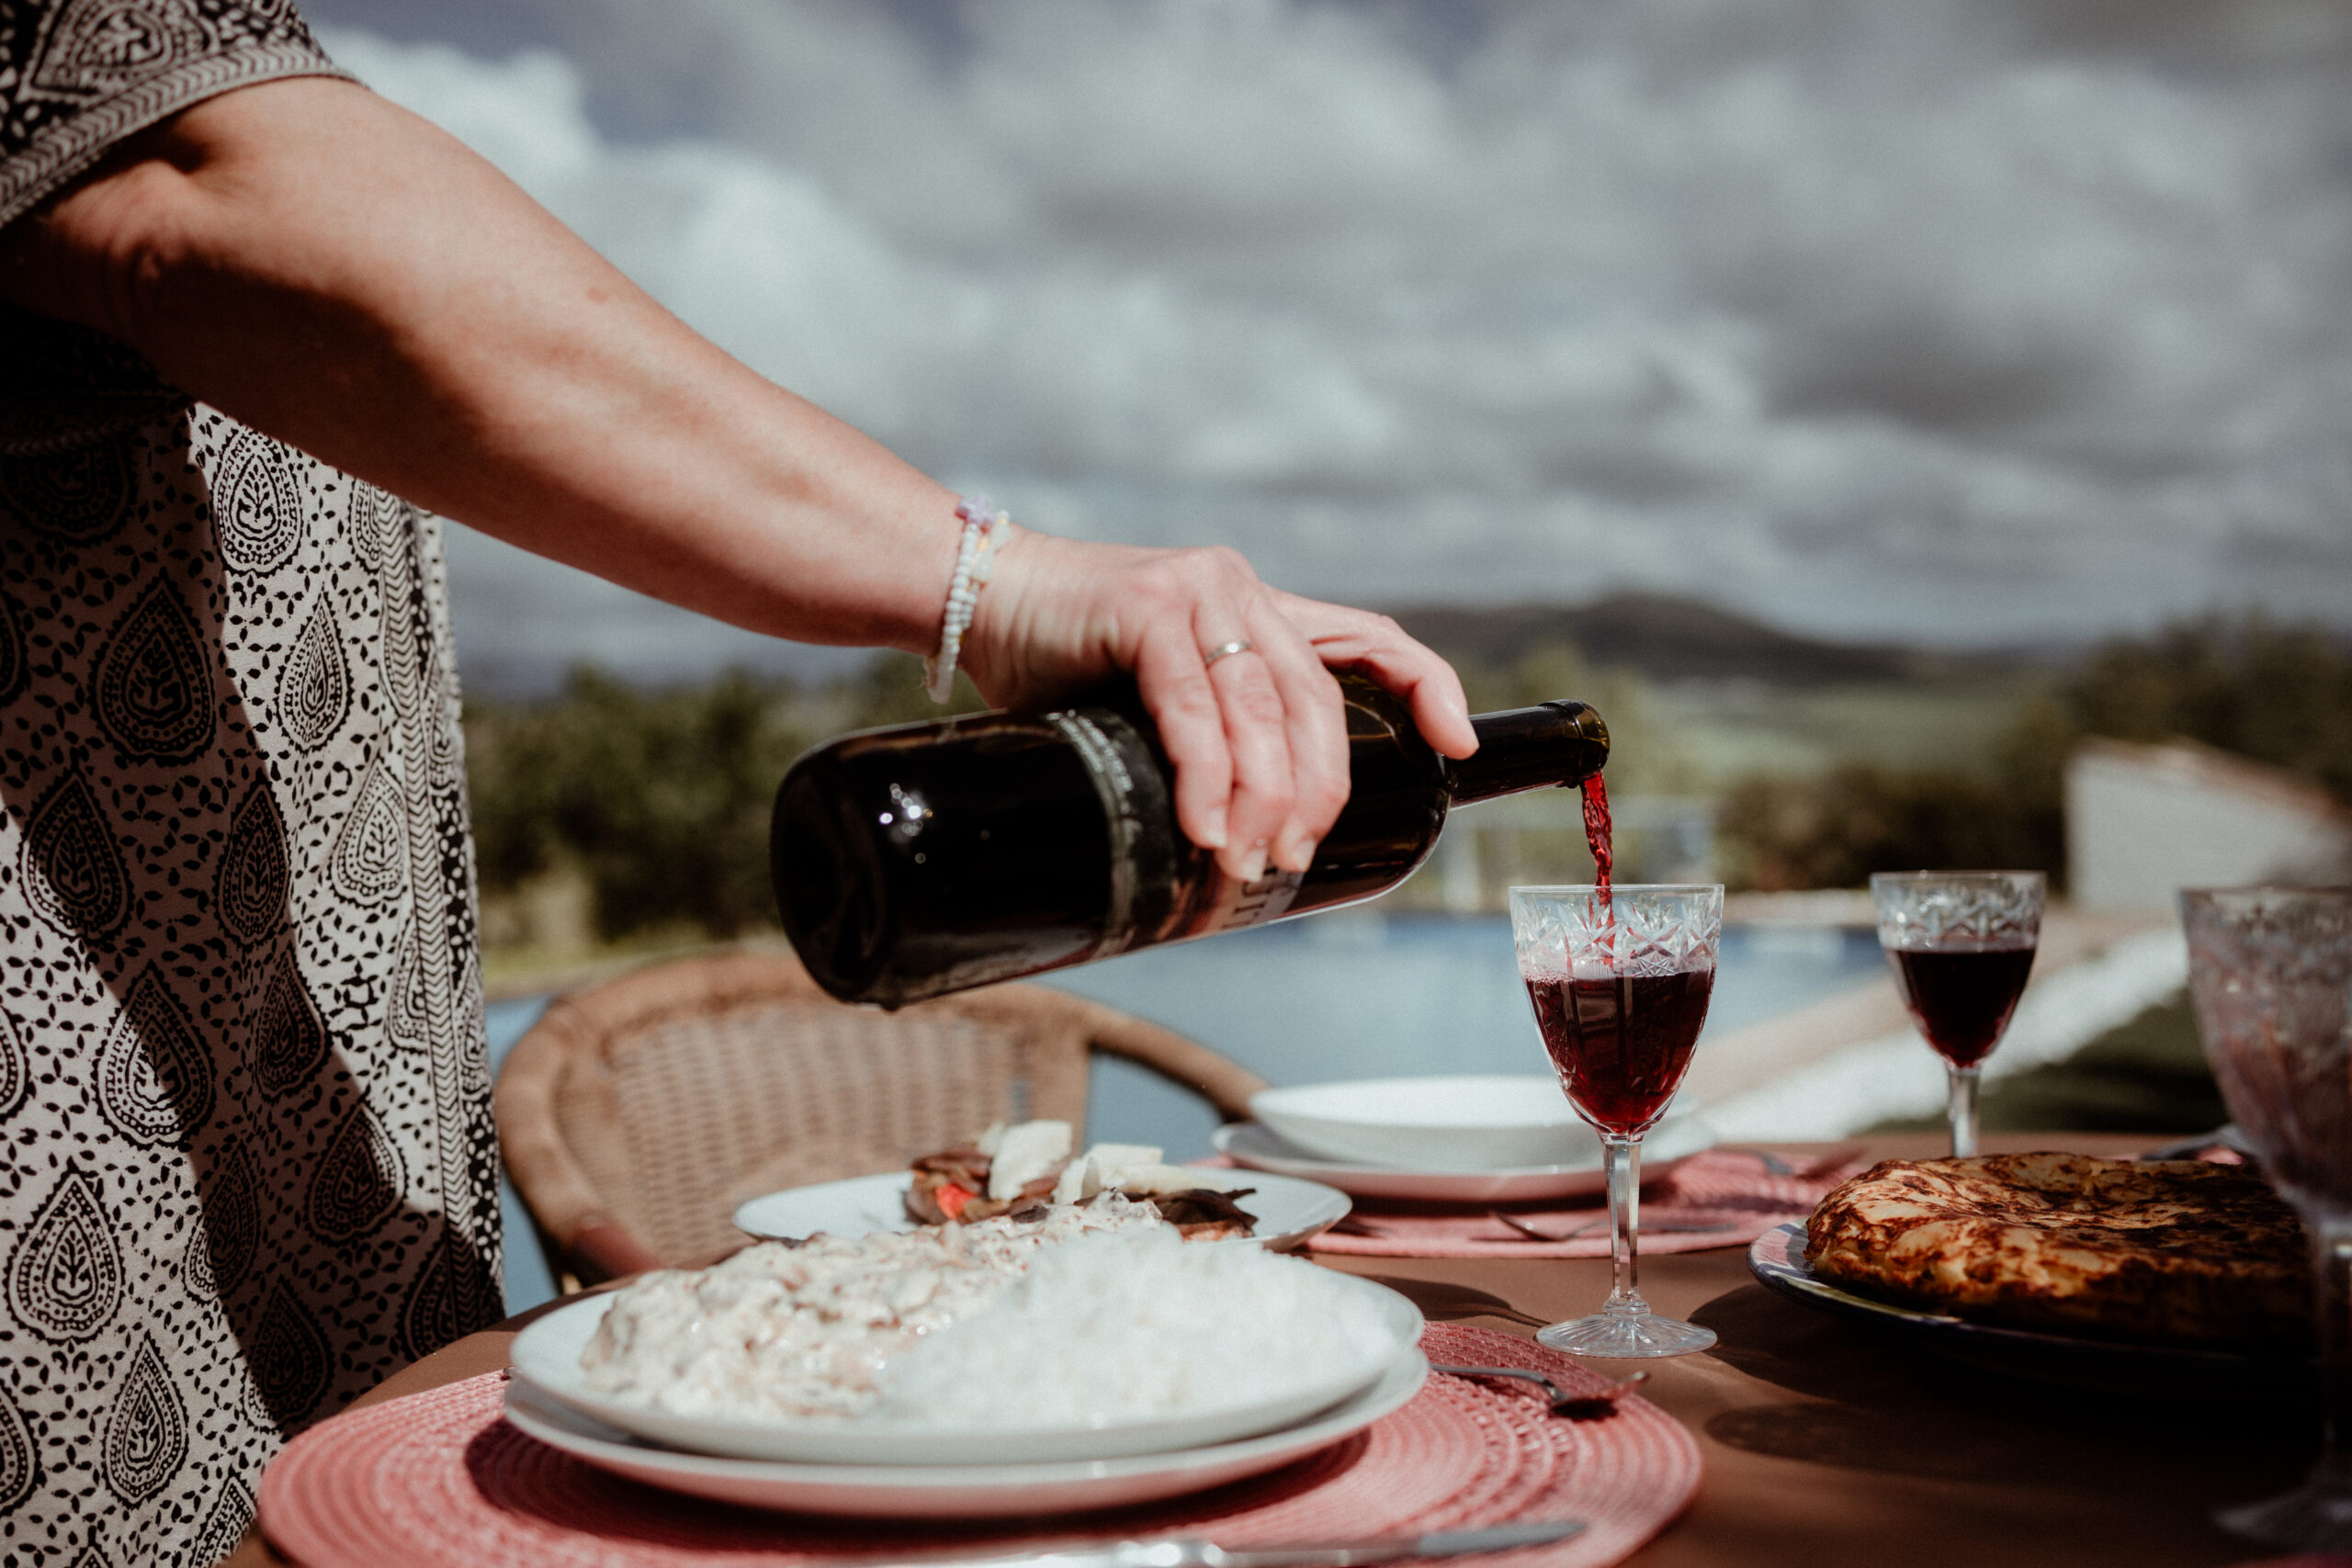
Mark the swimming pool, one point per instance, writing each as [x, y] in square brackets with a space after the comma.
[1361, 994]
[1356, 993]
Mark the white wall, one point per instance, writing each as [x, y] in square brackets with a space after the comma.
[2144, 822]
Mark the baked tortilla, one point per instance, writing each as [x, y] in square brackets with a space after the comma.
[2163, 1252]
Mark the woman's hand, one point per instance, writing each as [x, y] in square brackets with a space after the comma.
[1257, 736]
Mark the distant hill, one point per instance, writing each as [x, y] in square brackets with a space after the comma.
[1674, 639]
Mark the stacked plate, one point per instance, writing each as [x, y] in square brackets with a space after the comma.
[1474, 1139]
[1286, 1209]
[904, 1469]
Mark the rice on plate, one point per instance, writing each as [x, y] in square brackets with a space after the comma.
[1095, 1318]
[1111, 1329]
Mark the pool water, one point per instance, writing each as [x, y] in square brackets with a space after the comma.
[1359, 994]
[1354, 994]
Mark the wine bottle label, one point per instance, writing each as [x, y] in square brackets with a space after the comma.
[1232, 904]
[1162, 889]
[1137, 816]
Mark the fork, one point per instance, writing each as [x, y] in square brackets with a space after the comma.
[1531, 1233]
[1575, 1407]
[1349, 1224]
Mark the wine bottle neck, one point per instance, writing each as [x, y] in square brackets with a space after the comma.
[1549, 745]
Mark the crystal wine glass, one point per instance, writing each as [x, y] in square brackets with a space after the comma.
[2271, 971]
[1620, 980]
[1960, 943]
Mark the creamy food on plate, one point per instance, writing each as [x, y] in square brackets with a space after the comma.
[1091, 1314]
[1016, 1168]
[785, 1330]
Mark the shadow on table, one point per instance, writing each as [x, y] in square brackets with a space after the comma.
[1873, 1402]
[1442, 1302]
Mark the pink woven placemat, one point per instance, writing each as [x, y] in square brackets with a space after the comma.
[440, 1480]
[1730, 1192]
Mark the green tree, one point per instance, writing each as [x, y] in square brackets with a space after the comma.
[2279, 694]
[1642, 758]
[659, 798]
[1834, 832]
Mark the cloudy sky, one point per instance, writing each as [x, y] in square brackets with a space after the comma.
[1958, 320]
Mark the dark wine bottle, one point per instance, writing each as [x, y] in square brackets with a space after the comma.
[927, 858]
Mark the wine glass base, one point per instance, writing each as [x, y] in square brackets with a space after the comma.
[1625, 1335]
[2313, 1516]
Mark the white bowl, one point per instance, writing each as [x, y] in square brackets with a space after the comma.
[1458, 1123]
[1255, 1147]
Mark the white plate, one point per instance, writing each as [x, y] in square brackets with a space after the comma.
[1258, 1148]
[1446, 1122]
[960, 1491]
[546, 1355]
[1288, 1210]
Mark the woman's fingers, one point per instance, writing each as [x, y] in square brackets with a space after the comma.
[1316, 732]
[1359, 639]
[1275, 736]
[1177, 690]
[1258, 736]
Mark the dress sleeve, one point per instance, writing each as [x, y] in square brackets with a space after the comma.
[76, 76]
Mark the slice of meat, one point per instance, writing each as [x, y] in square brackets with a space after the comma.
[1204, 1213]
[928, 1201]
[951, 1188]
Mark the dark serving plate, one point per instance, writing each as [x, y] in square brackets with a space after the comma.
[1777, 1260]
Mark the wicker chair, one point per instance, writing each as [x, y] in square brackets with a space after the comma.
[637, 1113]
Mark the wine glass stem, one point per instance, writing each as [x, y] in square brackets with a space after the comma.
[2331, 1237]
[1621, 1159]
[1963, 1110]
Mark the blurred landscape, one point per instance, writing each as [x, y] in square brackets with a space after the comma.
[615, 819]
[1866, 407]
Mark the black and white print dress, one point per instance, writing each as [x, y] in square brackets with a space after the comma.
[246, 1161]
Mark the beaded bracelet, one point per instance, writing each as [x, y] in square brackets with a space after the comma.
[983, 530]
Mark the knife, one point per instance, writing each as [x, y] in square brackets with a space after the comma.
[1208, 1554]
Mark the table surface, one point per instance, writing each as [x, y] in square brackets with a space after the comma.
[1827, 1442]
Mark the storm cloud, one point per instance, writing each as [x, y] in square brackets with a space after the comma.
[1946, 320]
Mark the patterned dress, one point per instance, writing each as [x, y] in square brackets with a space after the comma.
[246, 1162]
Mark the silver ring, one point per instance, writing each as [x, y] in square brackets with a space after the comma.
[1238, 645]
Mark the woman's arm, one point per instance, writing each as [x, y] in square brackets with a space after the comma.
[342, 274]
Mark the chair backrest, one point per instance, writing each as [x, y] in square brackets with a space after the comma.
[636, 1114]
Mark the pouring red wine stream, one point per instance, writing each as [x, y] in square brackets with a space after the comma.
[1596, 834]
[1620, 1042]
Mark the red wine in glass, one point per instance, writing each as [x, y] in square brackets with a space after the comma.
[1621, 1034]
[1962, 999]
[1622, 1043]
[1960, 943]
